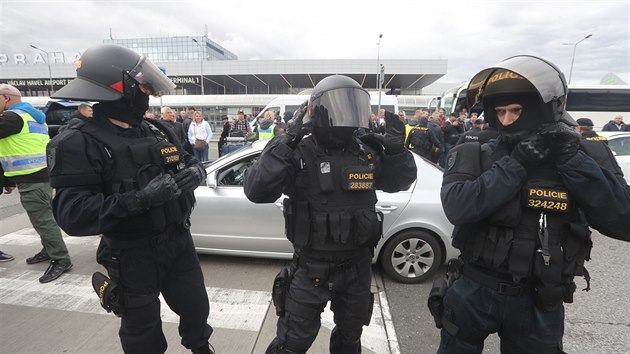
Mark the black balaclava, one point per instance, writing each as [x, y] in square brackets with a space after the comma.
[528, 122]
[333, 137]
[129, 111]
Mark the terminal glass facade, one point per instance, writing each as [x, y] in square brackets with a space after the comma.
[170, 49]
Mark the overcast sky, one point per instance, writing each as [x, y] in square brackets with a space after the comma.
[470, 34]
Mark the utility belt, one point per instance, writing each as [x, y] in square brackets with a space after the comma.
[501, 283]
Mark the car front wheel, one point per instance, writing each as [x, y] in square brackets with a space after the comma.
[411, 256]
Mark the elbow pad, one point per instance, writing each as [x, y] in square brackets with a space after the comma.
[463, 163]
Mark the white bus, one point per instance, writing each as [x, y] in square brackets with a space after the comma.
[600, 103]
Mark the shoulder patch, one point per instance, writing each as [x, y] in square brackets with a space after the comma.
[450, 162]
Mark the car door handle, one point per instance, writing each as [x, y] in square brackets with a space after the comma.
[386, 209]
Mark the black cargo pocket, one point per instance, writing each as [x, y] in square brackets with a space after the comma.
[320, 227]
[549, 273]
[369, 227]
[289, 219]
[521, 255]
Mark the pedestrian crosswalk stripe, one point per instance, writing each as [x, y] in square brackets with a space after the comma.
[29, 237]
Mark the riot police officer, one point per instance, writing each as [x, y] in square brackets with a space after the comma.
[130, 180]
[330, 178]
[522, 206]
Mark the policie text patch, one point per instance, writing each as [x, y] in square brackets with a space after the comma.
[550, 199]
[358, 178]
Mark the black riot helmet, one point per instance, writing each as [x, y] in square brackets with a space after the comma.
[109, 72]
[338, 101]
[536, 83]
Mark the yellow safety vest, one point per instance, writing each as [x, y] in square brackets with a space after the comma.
[25, 152]
[266, 133]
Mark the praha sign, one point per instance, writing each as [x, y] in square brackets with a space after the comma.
[38, 58]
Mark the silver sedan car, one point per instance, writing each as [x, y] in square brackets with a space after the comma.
[416, 234]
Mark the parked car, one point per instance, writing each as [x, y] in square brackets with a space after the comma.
[619, 143]
[58, 113]
[416, 234]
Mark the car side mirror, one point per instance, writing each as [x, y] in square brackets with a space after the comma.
[211, 180]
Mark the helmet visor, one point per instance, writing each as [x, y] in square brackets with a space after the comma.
[548, 80]
[152, 78]
[346, 106]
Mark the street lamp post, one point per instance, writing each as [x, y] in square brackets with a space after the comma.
[379, 71]
[47, 62]
[201, 61]
[573, 57]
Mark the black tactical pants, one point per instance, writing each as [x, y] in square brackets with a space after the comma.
[478, 311]
[170, 267]
[348, 289]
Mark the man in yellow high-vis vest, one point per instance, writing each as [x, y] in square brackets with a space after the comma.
[23, 140]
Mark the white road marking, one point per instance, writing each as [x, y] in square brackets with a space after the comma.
[29, 237]
[229, 308]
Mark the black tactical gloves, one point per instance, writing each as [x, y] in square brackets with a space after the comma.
[190, 178]
[394, 139]
[530, 152]
[294, 131]
[563, 141]
[158, 191]
[394, 134]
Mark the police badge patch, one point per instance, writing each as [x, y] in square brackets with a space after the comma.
[451, 160]
[324, 167]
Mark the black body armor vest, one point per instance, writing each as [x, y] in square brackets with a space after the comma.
[136, 161]
[540, 236]
[331, 207]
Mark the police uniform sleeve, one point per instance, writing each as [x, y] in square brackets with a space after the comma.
[80, 207]
[395, 172]
[267, 178]
[470, 195]
[603, 198]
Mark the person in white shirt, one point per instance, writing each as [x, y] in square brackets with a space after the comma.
[199, 135]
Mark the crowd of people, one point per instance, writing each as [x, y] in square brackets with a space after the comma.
[506, 187]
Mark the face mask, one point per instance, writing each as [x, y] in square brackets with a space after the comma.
[335, 137]
[123, 110]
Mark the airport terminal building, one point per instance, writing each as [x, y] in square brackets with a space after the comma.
[198, 65]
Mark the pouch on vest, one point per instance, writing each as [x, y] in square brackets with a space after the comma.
[520, 260]
[577, 249]
[301, 224]
[320, 227]
[325, 177]
[340, 227]
[368, 227]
